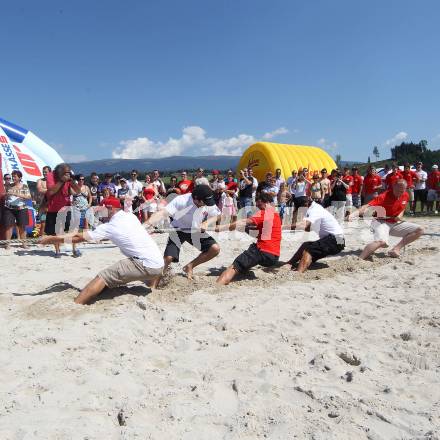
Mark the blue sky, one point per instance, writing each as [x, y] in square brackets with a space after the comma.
[155, 78]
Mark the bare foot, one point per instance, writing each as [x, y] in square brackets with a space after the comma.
[189, 271]
[393, 254]
[286, 267]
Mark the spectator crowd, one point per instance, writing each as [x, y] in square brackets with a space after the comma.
[340, 191]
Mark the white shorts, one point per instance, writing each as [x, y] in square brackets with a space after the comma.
[410, 192]
[382, 230]
[432, 196]
[349, 200]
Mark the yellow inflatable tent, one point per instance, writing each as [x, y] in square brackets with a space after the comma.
[263, 157]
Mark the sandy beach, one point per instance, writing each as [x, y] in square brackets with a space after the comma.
[349, 350]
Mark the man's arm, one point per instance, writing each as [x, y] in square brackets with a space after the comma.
[59, 239]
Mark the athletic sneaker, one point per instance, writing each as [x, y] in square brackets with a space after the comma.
[76, 253]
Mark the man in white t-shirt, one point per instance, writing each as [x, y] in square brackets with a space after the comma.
[420, 191]
[144, 262]
[191, 214]
[133, 184]
[200, 178]
[331, 237]
[278, 178]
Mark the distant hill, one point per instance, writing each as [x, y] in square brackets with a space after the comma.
[167, 164]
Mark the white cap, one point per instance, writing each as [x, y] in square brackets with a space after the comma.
[435, 167]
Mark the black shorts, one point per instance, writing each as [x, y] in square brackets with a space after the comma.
[321, 248]
[202, 242]
[420, 195]
[254, 257]
[15, 217]
[51, 222]
[300, 202]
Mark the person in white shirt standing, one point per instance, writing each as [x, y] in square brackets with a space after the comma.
[331, 237]
[420, 191]
[190, 215]
[144, 262]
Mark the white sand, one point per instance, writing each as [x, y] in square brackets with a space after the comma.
[350, 350]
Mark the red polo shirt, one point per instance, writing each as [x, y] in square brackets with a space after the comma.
[371, 181]
[357, 183]
[409, 176]
[393, 206]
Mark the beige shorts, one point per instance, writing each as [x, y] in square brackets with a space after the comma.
[125, 271]
[382, 230]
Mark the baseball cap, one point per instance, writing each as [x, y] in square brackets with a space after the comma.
[435, 167]
[205, 194]
[215, 172]
[111, 202]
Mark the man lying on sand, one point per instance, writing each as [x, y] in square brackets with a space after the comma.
[190, 215]
[331, 237]
[267, 249]
[145, 261]
[390, 207]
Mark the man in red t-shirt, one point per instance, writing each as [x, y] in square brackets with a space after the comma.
[433, 184]
[347, 178]
[266, 251]
[410, 177]
[356, 189]
[393, 177]
[185, 185]
[372, 185]
[389, 208]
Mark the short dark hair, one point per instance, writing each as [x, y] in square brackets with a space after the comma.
[59, 170]
[48, 168]
[134, 171]
[264, 197]
[17, 173]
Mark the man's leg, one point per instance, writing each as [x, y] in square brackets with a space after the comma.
[166, 264]
[212, 252]
[296, 257]
[92, 290]
[407, 239]
[371, 248]
[305, 262]
[227, 276]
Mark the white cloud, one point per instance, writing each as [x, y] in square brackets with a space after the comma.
[330, 146]
[194, 140]
[396, 139]
[271, 134]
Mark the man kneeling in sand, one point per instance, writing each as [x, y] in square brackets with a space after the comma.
[144, 262]
[331, 237]
[389, 207]
[267, 249]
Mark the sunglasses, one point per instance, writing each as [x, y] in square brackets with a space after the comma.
[81, 178]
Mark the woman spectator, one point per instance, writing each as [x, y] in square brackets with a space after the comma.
[83, 200]
[283, 198]
[41, 198]
[173, 189]
[15, 213]
[228, 200]
[149, 198]
[316, 192]
[60, 186]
